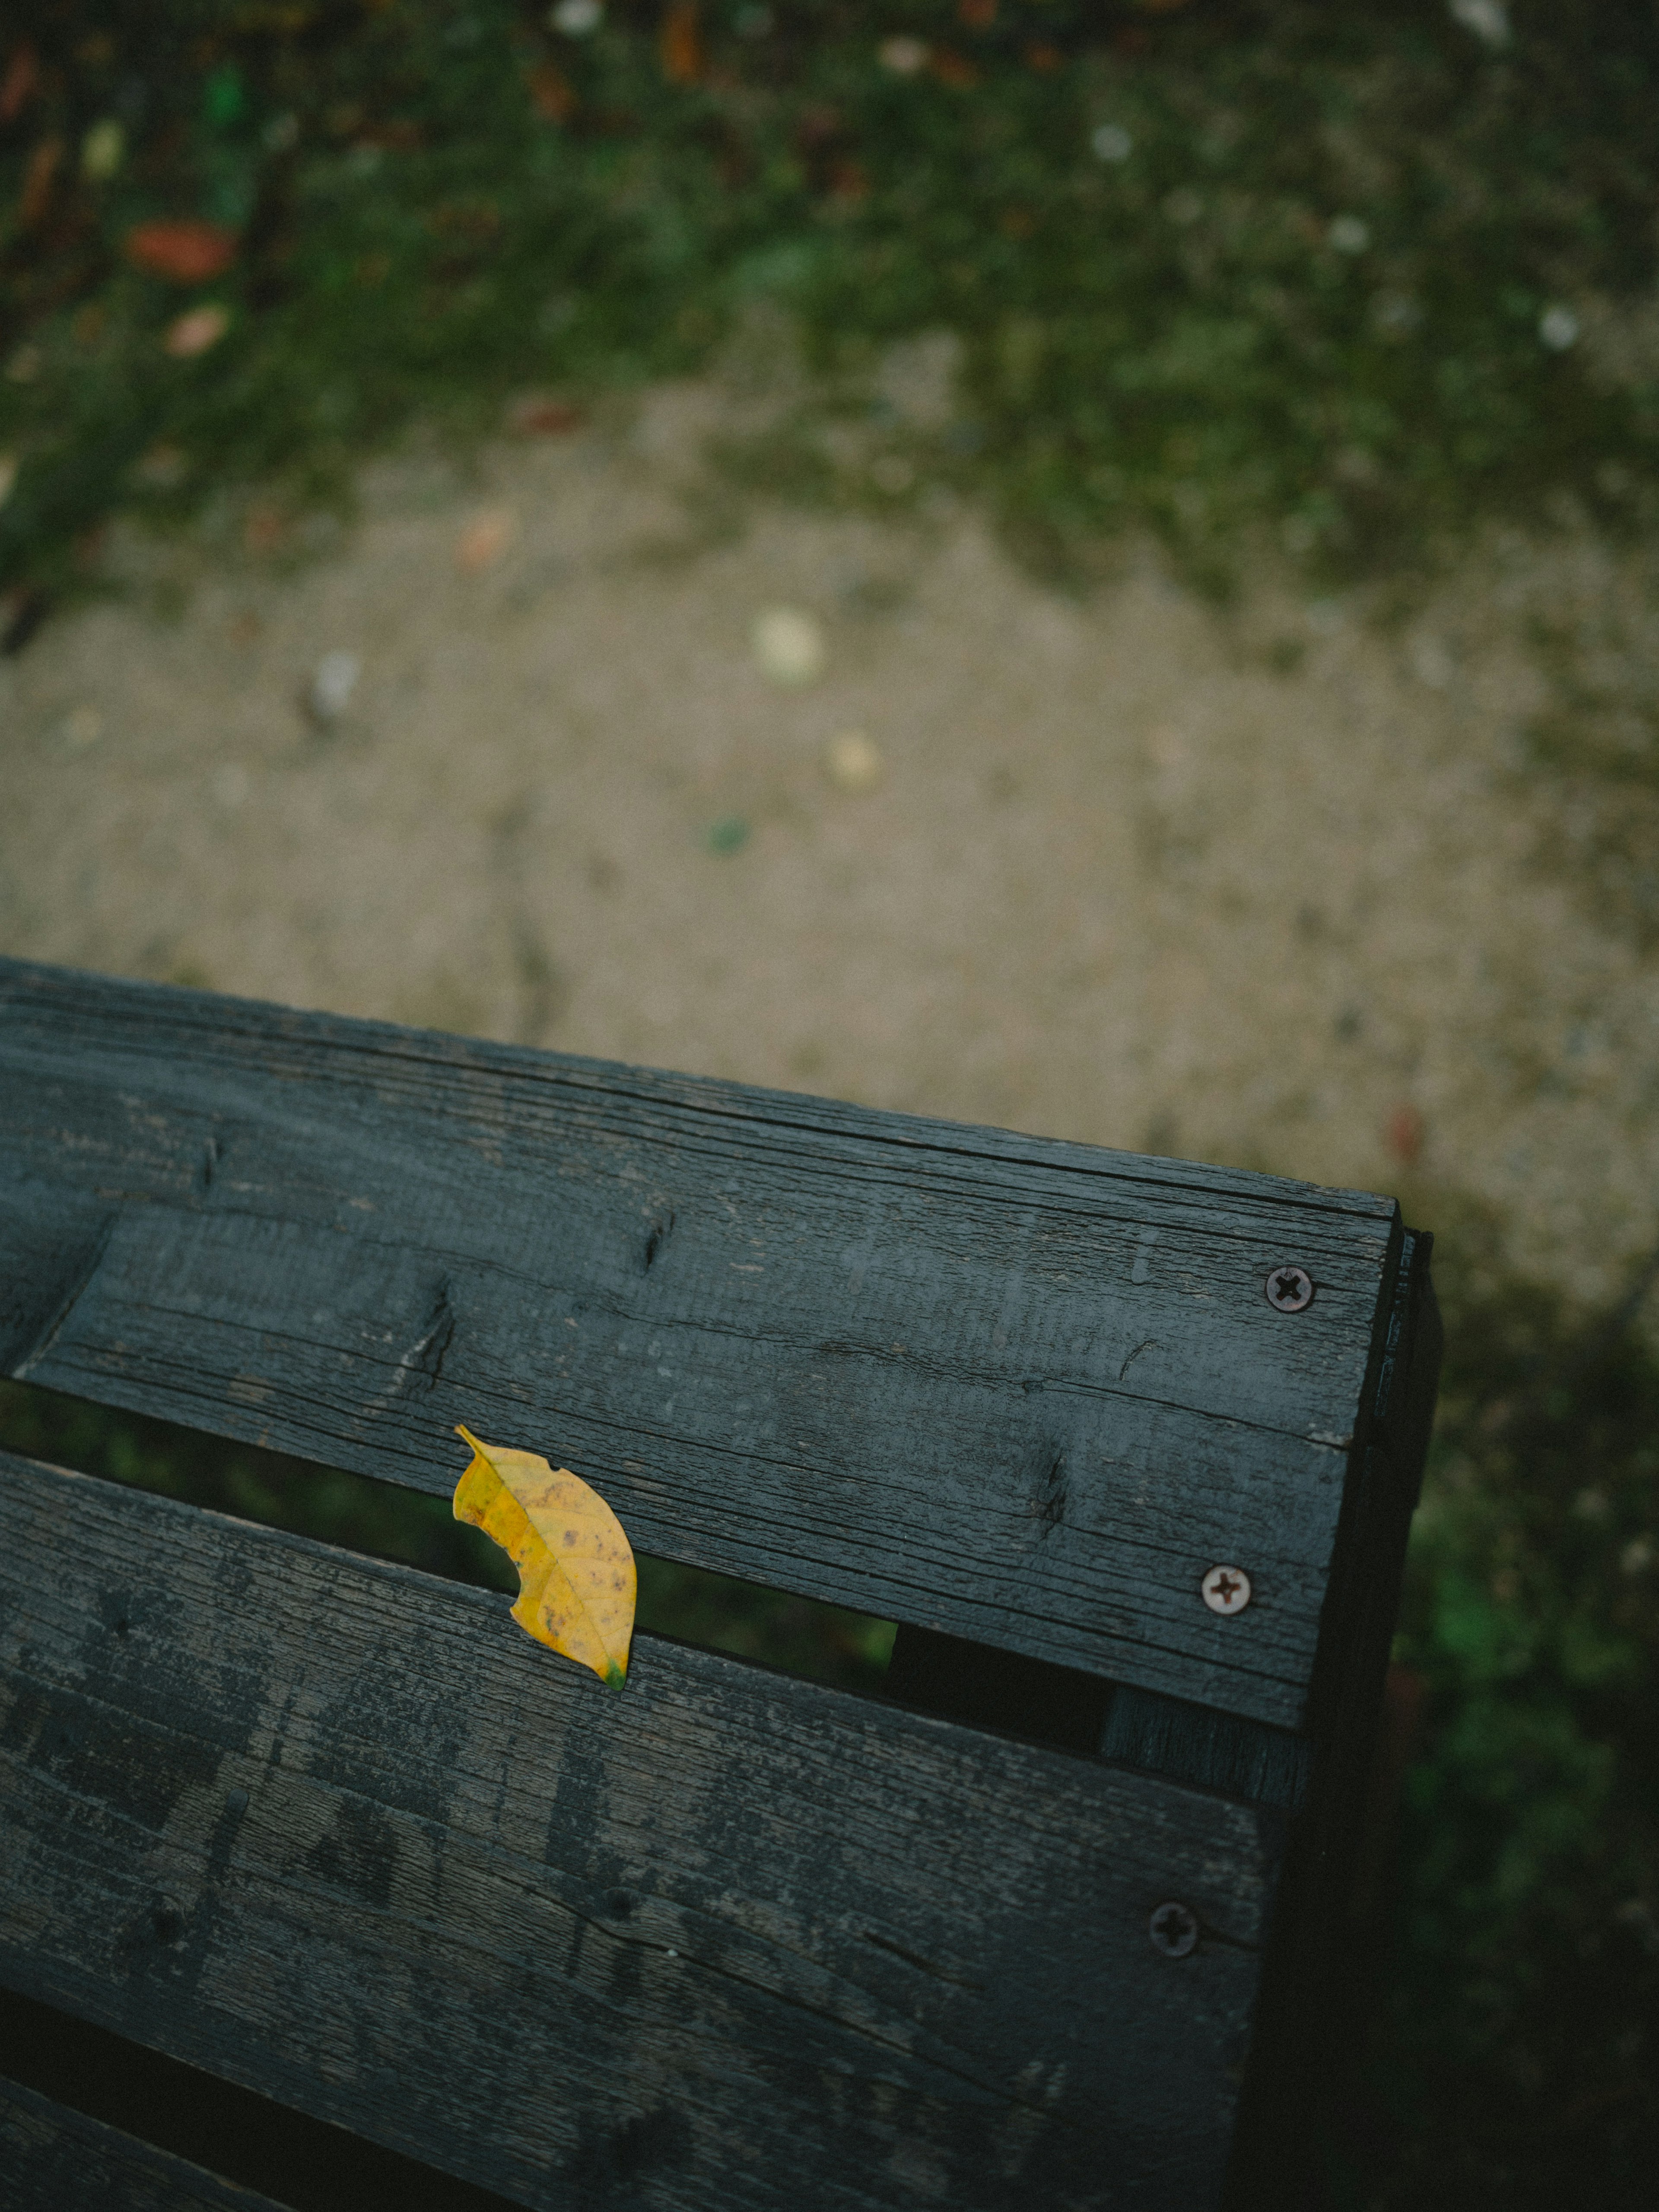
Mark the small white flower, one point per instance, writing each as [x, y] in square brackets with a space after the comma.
[576, 18]
[332, 686]
[904, 56]
[853, 764]
[1111, 143]
[1396, 315]
[788, 644]
[1489, 20]
[82, 726]
[1557, 326]
[103, 150]
[1347, 235]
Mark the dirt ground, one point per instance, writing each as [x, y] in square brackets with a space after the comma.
[1261, 885]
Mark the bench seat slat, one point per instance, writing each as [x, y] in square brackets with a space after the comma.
[56, 2159]
[1022, 1392]
[336, 1831]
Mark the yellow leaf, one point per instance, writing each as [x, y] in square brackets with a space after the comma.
[576, 1578]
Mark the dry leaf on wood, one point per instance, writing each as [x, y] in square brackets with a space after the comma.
[576, 1576]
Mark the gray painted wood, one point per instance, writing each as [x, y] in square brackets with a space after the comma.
[1020, 1391]
[724, 1940]
[55, 2160]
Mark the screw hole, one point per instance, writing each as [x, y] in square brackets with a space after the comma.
[1288, 1290]
[1173, 1930]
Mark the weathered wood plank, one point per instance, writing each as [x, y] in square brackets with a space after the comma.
[338, 1832]
[1021, 1391]
[55, 2160]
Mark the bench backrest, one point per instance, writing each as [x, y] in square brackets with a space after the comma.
[333, 1830]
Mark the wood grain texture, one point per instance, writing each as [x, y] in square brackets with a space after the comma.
[55, 2160]
[724, 1940]
[1020, 1391]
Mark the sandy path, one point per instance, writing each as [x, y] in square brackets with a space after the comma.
[1120, 879]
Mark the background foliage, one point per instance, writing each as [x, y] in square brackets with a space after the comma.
[1363, 276]
[1361, 279]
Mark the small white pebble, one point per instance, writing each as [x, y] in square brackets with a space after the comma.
[788, 644]
[1347, 235]
[853, 763]
[1557, 326]
[196, 331]
[1110, 142]
[1489, 20]
[1396, 315]
[82, 727]
[332, 686]
[904, 56]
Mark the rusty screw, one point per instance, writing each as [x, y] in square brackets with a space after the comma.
[1290, 1289]
[1226, 1590]
[1173, 1930]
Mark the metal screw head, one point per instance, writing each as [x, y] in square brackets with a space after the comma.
[1226, 1590]
[1173, 1930]
[1288, 1290]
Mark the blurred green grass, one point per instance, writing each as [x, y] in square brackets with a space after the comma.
[1514, 2056]
[1357, 279]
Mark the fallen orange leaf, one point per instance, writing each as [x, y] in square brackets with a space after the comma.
[577, 1581]
[953, 68]
[36, 195]
[550, 94]
[483, 541]
[264, 529]
[537, 415]
[1406, 1130]
[682, 46]
[186, 252]
[22, 75]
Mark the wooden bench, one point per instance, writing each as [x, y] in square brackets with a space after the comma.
[1048, 1925]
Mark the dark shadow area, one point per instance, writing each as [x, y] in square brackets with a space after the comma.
[244, 2138]
[1030, 1698]
[1071, 1710]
